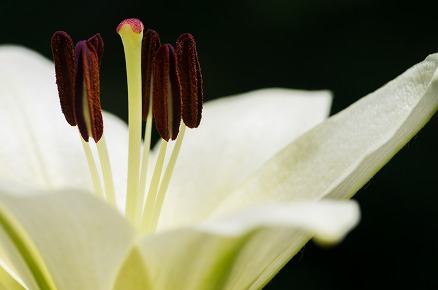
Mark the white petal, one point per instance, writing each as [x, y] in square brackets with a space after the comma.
[240, 250]
[39, 148]
[73, 240]
[330, 220]
[237, 134]
[33, 124]
[337, 157]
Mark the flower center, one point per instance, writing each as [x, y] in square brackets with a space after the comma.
[164, 85]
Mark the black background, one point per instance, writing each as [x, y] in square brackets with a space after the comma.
[350, 47]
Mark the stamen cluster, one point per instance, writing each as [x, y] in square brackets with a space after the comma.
[77, 76]
[172, 78]
[164, 85]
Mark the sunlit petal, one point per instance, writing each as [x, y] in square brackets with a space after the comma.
[237, 134]
[339, 156]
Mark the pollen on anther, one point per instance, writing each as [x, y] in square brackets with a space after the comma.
[65, 71]
[150, 44]
[166, 93]
[88, 109]
[190, 78]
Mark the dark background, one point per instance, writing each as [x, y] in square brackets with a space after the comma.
[350, 47]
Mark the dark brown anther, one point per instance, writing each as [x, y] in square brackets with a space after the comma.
[190, 78]
[150, 44]
[87, 89]
[166, 93]
[62, 51]
[77, 77]
[96, 42]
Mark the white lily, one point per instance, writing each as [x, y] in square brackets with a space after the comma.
[251, 186]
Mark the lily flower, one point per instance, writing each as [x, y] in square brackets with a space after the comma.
[224, 204]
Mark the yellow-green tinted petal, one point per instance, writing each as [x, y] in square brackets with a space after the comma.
[8, 282]
[12, 264]
[69, 240]
[271, 247]
[133, 274]
[337, 157]
[236, 136]
[241, 250]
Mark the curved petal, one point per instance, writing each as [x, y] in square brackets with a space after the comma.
[42, 150]
[329, 220]
[13, 264]
[337, 157]
[239, 250]
[9, 281]
[68, 240]
[133, 273]
[237, 134]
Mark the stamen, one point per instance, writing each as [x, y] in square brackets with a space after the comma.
[89, 112]
[150, 45]
[77, 76]
[167, 115]
[106, 171]
[166, 93]
[87, 88]
[131, 33]
[147, 223]
[93, 169]
[62, 51]
[190, 78]
[96, 42]
[154, 217]
[189, 75]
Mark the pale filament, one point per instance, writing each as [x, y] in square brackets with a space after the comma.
[93, 168]
[145, 160]
[105, 174]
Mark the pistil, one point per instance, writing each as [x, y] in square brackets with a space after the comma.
[131, 32]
